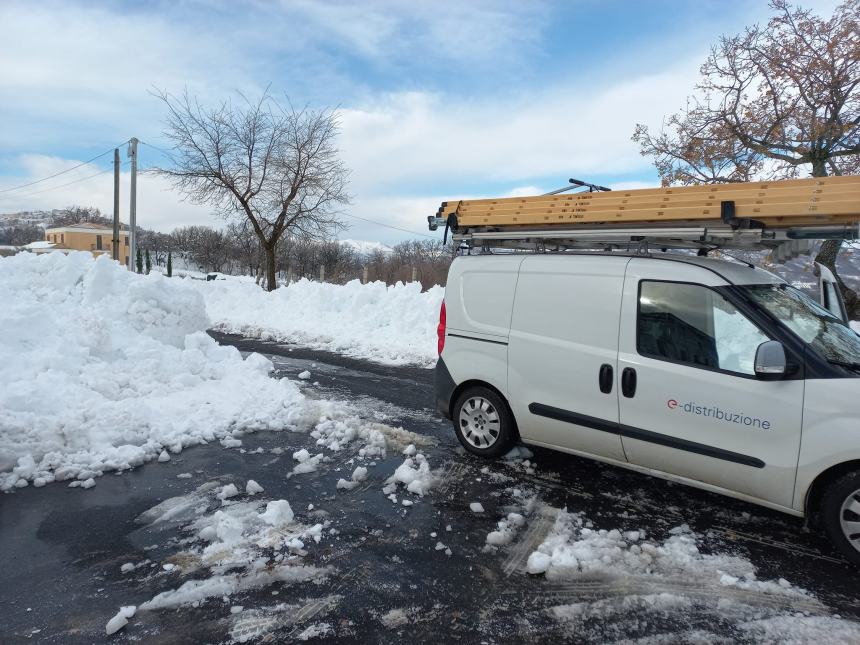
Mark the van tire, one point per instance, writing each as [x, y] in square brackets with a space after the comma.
[486, 418]
[836, 497]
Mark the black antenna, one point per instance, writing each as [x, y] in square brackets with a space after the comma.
[592, 188]
[576, 183]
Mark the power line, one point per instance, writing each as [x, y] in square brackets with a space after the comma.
[46, 190]
[396, 228]
[167, 153]
[62, 172]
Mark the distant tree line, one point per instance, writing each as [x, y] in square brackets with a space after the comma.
[236, 250]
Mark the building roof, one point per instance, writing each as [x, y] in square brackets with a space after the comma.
[91, 227]
[88, 225]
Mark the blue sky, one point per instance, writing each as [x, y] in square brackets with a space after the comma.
[438, 100]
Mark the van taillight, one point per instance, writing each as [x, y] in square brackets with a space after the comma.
[440, 330]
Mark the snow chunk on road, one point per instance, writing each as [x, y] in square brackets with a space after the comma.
[278, 513]
[505, 530]
[304, 375]
[307, 464]
[358, 476]
[163, 457]
[389, 324]
[228, 491]
[120, 620]
[476, 507]
[104, 368]
[252, 487]
[415, 474]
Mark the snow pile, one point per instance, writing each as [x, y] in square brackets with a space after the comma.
[394, 325]
[104, 369]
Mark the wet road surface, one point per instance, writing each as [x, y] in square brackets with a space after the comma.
[386, 581]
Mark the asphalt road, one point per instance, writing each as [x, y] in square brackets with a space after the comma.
[62, 548]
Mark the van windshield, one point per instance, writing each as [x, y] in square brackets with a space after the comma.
[816, 326]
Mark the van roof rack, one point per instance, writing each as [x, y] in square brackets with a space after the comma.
[784, 215]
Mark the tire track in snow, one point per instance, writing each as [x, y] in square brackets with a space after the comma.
[532, 538]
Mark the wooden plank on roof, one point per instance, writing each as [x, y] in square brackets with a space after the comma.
[815, 199]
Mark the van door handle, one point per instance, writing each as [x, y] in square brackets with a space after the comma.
[604, 378]
[628, 382]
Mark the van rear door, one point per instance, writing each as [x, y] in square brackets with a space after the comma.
[563, 352]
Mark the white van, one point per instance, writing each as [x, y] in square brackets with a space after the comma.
[711, 373]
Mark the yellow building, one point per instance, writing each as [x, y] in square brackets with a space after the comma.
[87, 236]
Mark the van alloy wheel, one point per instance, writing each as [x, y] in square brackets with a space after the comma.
[839, 510]
[483, 422]
[479, 422]
[849, 519]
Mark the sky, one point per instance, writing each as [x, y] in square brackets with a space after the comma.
[437, 100]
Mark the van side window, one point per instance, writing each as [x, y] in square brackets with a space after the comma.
[692, 324]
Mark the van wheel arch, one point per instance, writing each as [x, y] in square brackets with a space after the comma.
[476, 383]
[819, 485]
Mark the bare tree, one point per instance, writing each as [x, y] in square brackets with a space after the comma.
[77, 215]
[772, 102]
[276, 166]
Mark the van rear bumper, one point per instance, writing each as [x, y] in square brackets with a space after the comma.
[444, 387]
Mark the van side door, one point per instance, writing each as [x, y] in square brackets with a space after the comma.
[691, 404]
[563, 352]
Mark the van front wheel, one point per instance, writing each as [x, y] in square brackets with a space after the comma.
[840, 514]
[483, 423]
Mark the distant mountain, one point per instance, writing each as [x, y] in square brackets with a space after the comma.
[365, 247]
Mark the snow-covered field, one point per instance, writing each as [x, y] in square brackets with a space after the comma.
[388, 324]
[104, 370]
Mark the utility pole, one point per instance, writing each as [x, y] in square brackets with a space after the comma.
[115, 241]
[132, 211]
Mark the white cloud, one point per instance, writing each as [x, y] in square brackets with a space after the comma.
[474, 31]
[71, 74]
[407, 140]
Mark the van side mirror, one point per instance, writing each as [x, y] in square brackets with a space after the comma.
[770, 361]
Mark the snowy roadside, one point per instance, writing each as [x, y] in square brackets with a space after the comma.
[394, 325]
[104, 370]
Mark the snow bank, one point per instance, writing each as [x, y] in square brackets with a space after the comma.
[103, 369]
[394, 325]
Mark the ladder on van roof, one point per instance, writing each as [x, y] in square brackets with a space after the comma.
[783, 215]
